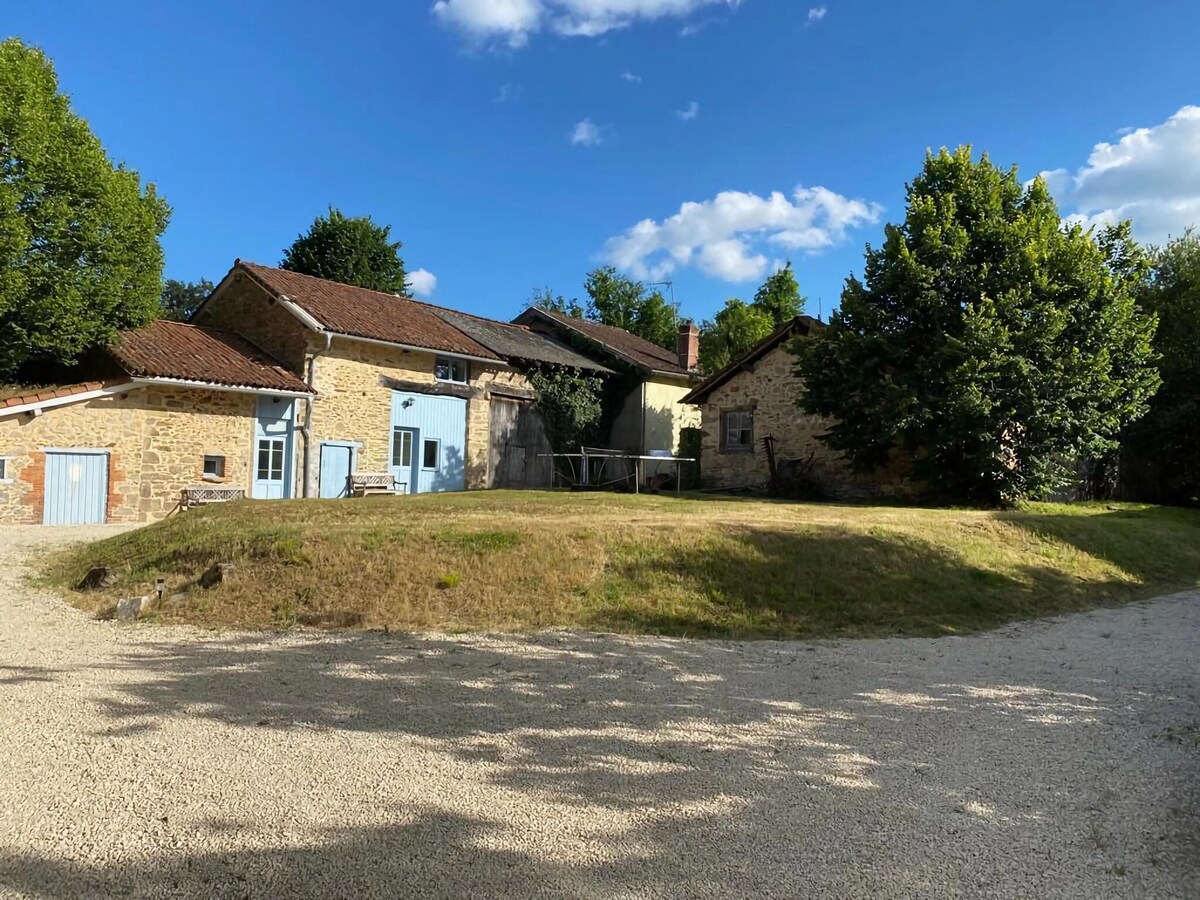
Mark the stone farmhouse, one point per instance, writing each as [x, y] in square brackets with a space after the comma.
[288, 386]
[753, 399]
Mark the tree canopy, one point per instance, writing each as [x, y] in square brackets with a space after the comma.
[1166, 441]
[987, 343]
[618, 300]
[349, 250]
[179, 299]
[545, 298]
[740, 325]
[79, 250]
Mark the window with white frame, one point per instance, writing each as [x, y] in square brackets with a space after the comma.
[737, 431]
[446, 368]
[4, 475]
[402, 447]
[430, 453]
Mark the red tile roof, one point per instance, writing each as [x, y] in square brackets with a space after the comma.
[618, 341]
[174, 350]
[52, 393]
[358, 312]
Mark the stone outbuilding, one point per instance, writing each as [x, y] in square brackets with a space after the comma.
[175, 407]
[752, 401]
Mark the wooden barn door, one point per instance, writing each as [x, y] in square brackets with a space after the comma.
[518, 445]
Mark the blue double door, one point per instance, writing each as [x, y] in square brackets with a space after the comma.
[76, 487]
[429, 442]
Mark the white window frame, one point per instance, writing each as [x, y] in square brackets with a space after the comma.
[5, 477]
[410, 434]
[437, 460]
[451, 363]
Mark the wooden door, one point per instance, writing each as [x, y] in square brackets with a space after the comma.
[518, 446]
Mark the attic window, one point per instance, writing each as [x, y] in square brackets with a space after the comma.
[448, 369]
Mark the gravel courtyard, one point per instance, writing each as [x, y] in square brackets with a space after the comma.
[1053, 759]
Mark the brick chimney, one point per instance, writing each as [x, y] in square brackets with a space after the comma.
[687, 345]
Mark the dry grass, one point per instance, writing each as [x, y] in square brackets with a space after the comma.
[693, 566]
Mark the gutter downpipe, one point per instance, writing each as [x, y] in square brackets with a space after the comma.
[306, 429]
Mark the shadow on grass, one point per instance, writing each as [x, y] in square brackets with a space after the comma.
[825, 582]
[1156, 545]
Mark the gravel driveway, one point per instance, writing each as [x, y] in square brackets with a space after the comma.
[1054, 759]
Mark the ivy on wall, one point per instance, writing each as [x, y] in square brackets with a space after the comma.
[570, 403]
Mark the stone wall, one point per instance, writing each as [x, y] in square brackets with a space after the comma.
[770, 389]
[354, 405]
[244, 307]
[156, 440]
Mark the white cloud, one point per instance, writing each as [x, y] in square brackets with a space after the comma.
[1151, 175]
[816, 14]
[725, 237]
[586, 134]
[631, 78]
[422, 283]
[511, 22]
[689, 112]
[508, 93]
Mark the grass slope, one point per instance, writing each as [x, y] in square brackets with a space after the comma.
[701, 567]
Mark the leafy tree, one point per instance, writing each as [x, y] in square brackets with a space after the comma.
[779, 297]
[179, 299]
[733, 331]
[739, 326]
[349, 250]
[79, 251]
[987, 344]
[1165, 442]
[545, 298]
[570, 403]
[621, 301]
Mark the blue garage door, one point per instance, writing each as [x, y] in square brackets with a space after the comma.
[429, 442]
[76, 487]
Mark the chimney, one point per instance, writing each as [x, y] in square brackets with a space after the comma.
[687, 345]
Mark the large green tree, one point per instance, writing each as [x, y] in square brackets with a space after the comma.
[79, 250]
[179, 299]
[349, 250]
[731, 332]
[1162, 451]
[987, 344]
[615, 299]
[779, 296]
[739, 326]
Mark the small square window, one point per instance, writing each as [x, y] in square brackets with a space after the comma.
[214, 467]
[737, 431]
[447, 369]
[430, 451]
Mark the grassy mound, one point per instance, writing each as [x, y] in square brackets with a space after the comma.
[701, 567]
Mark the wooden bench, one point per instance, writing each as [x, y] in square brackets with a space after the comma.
[363, 484]
[205, 494]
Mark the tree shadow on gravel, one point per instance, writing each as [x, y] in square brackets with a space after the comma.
[696, 752]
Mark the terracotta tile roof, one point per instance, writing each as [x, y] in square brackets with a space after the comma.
[174, 350]
[639, 351]
[52, 393]
[801, 325]
[358, 312]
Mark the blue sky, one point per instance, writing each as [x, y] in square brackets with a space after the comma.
[518, 143]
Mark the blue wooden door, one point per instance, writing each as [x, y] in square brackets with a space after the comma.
[76, 488]
[433, 432]
[337, 464]
[273, 449]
